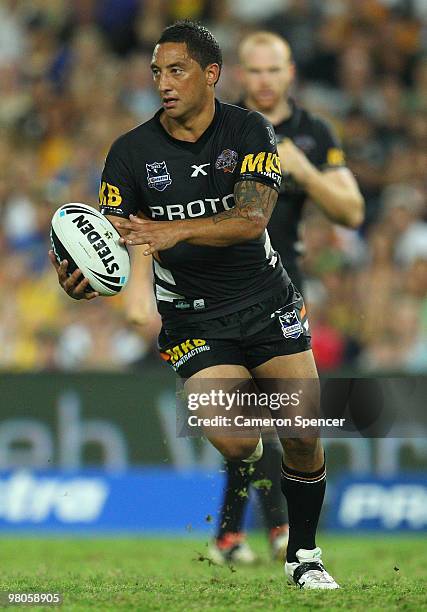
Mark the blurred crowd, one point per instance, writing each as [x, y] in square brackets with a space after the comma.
[75, 74]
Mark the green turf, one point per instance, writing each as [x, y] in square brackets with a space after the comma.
[170, 574]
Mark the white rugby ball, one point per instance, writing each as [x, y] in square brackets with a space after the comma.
[88, 241]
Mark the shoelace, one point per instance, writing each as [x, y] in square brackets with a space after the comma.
[318, 576]
[313, 570]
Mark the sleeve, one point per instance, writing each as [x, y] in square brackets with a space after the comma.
[258, 159]
[118, 192]
[330, 152]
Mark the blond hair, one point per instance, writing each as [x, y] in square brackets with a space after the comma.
[263, 37]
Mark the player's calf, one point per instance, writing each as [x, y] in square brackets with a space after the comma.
[303, 481]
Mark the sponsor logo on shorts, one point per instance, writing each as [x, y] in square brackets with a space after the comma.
[291, 325]
[158, 176]
[227, 161]
[182, 352]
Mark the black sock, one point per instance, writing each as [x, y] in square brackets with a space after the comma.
[236, 496]
[267, 472]
[304, 492]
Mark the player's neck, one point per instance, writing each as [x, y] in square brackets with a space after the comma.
[190, 128]
[277, 114]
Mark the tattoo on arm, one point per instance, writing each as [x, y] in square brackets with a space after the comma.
[254, 202]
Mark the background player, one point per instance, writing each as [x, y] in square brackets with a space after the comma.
[312, 158]
[234, 297]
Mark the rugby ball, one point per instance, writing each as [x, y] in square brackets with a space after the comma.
[88, 241]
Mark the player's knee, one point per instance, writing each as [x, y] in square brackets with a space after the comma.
[239, 450]
[300, 448]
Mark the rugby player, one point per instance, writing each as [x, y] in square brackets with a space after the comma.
[312, 157]
[195, 187]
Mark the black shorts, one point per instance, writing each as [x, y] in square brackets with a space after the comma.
[249, 337]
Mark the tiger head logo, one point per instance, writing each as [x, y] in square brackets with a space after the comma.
[227, 161]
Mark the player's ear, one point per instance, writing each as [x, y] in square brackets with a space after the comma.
[212, 74]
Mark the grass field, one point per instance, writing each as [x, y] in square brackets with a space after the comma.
[172, 574]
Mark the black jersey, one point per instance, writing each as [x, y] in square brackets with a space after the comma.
[317, 140]
[150, 171]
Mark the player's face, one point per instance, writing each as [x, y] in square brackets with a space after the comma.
[267, 72]
[180, 80]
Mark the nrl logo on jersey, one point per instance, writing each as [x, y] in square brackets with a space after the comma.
[291, 325]
[158, 176]
[227, 161]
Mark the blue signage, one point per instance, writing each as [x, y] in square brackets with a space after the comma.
[139, 500]
[379, 504]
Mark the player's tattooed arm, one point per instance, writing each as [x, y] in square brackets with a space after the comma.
[253, 202]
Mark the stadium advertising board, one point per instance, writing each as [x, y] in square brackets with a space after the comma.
[94, 500]
[379, 504]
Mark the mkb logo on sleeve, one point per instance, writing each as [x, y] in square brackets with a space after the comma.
[158, 176]
[267, 164]
[109, 195]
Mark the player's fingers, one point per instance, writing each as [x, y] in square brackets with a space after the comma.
[150, 249]
[62, 272]
[132, 239]
[53, 260]
[134, 224]
[91, 296]
[78, 290]
[137, 220]
[70, 283]
[127, 225]
[136, 239]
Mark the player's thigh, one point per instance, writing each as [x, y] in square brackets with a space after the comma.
[300, 365]
[213, 371]
[295, 376]
[282, 347]
[222, 371]
[281, 361]
[214, 391]
[292, 385]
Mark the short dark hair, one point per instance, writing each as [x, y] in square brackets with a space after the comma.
[201, 44]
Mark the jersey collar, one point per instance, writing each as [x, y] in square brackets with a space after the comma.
[201, 141]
